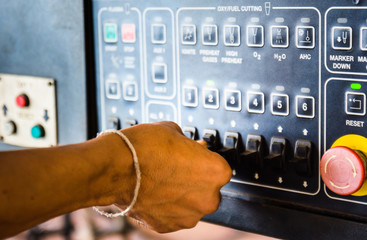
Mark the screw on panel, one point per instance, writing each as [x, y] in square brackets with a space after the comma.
[50, 83]
[1, 138]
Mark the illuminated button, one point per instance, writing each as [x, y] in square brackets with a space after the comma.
[255, 102]
[22, 100]
[210, 35]
[279, 104]
[188, 34]
[363, 39]
[255, 36]
[211, 98]
[279, 36]
[159, 72]
[128, 33]
[232, 100]
[343, 170]
[355, 103]
[305, 37]
[110, 32]
[158, 33]
[38, 131]
[305, 107]
[190, 96]
[10, 128]
[232, 35]
[341, 38]
[113, 90]
[130, 91]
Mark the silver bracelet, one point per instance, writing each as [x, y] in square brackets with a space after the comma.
[137, 171]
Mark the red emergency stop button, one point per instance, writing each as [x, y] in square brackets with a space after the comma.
[22, 100]
[343, 170]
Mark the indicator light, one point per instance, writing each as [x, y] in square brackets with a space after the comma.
[355, 86]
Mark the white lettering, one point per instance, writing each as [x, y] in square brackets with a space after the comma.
[231, 60]
[231, 53]
[353, 123]
[209, 52]
[210, 59]
[129, 49]
[362, 59]
[346, 66]
[189, 51]
[341, 58]
[305, 56]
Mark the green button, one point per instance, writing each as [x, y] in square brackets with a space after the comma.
[110, 32]
[37, 131]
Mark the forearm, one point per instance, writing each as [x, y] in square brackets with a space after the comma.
[38, 184]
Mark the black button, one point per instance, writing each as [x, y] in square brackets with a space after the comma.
[190, 96]
[158, 33]
[342, 38]
[305, 37]
[355, 103]
[305, 107]
[279, 36]
[188, 34]
[280, 104]
[232, 35]
[255, 102]
[255, 36]
[210, 34]
[211, 98]
[233, 100]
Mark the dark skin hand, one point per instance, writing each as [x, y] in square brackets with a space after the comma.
[180, 181]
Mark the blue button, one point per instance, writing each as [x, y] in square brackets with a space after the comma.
[38, 131]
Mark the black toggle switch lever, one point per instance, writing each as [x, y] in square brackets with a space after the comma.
[230, 148]
[253, 157]
[211, 137]
[277, 153]
[302, 157]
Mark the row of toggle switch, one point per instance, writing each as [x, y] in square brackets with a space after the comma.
[254, 154]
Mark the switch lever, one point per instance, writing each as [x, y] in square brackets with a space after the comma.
[277, 153]
[253, 157]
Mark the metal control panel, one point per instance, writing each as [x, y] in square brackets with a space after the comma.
[270, 85]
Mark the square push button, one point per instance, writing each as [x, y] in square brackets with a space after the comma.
[210, 35]
[305, 107]
[232, 35]
[113, 90]
[341, 38]
[279, 104]
[355, 103]
[233, 100]
[128, 33]
[255, 102]
[158, 33]
[130, 91]
[363, 40]
[211, 98]
[159, 72]
[110, 32]
[188, 34]
[305, 37]
[255, 36]
[190, 96]
[279, 36]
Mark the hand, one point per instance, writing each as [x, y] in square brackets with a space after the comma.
[181, 179]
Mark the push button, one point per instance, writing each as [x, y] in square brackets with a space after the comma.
[113, 89]
[158, 33]
[255, 36]
[211, 98]
[130, 91]
[341, 38]
[302, 157]
[232, 35]
[128, 33]
[210, 35]
[190, 96]
[363, 39]
[277, 153]
[188, 34]
[355, 103]
[279, 36]
[253, 157]
[22, 100]
[305, 37]
[159, 72]
[279, 104]
[255, 102]
[305, 107]
[37, 131]
[233, 100]
[110, 32]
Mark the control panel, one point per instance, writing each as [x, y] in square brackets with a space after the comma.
[28, 111]
[269, 85]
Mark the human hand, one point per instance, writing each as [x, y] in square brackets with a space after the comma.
[181, 179]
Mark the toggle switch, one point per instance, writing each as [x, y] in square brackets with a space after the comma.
[253, 157]
[230, 151]
[302, 157]
[190, 132]
[211, 137]
[277, 153]
[114, 123]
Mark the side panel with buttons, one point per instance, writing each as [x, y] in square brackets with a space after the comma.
[28, 111]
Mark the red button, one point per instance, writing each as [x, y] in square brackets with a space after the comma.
[22, 100]
[343, 170]
[128, 33]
